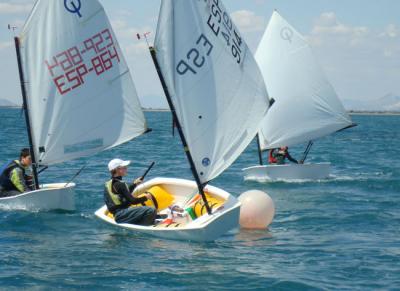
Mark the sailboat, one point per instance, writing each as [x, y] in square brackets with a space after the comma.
[218, 100]
[78, 94]
[306, 106]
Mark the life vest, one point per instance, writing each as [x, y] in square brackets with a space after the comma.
[5, 179]
[271, 157]
[4, 167]
[280, 157]
[113, 200]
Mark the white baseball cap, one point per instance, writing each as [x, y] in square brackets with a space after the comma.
[116, 163]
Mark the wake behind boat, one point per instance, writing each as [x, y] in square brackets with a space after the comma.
[47, 197]
[306, 105]
[287, 172]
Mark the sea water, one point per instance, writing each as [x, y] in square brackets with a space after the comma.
[338, 234]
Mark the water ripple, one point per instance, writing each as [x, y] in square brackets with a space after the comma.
[337, 234]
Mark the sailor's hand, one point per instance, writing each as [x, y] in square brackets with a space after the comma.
[148, 196]
[138, 181]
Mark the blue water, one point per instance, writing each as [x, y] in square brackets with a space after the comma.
[339, 234]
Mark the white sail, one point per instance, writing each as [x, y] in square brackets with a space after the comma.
[214, 82]
[306, 106]
[81, 96]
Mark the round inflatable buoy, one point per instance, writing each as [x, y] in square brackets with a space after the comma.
[257, 210]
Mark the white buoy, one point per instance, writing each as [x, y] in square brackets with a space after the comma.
[257, 210]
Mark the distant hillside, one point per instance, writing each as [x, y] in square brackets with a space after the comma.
[7, 103]
[389, 102]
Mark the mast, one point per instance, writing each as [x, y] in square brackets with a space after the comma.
[260, 151]
[27, 118]
[260, 157]
[180, 131]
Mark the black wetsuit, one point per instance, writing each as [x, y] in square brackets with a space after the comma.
[13, 180]
[280, 157]
[124, 191]
[290, 158]
[123, 213]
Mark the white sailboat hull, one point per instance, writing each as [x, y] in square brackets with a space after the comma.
[288, 172]
[48, 197]
[204, 228]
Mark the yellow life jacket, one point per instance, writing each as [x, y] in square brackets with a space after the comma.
[112, 200]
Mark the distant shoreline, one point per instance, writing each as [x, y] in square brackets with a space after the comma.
[144, 109]
[11, 107]
[388, 113]
[351, 112]
[155, 110]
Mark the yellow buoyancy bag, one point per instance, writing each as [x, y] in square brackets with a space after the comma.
[161, 199]
[214, 203]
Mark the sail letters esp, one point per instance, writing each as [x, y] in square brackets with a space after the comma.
[222, 27]
[194, 60]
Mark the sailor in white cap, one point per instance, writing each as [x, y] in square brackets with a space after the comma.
[118, 197]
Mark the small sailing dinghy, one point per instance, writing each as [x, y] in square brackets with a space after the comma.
[306, 106]
[79, 98]
[218, 100]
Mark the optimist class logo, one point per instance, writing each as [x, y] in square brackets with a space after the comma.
[73, 6]
[287, 34]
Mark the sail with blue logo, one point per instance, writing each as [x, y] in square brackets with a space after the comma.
[81, 97]
[215, 84]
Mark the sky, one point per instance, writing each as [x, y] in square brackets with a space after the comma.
[357, 42]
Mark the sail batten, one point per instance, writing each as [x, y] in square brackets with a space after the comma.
[307, 106]
[81, 96]
[213, 81]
